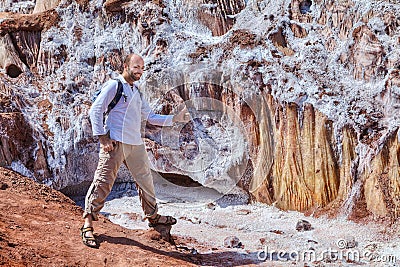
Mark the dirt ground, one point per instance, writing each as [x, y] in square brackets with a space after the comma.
[40, 227]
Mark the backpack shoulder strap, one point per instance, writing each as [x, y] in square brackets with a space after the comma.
[117, 96]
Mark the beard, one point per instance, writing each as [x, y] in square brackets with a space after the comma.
[135, 76]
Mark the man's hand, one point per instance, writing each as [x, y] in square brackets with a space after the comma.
[106, 143]
[182, 116]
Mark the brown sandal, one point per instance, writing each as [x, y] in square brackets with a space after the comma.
[88, 240]
[169, 220]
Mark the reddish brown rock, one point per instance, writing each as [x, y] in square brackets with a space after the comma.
[219, 15]
[367, 53]
[43, 5]
[28, 22]
[20, 146]
[115, 5]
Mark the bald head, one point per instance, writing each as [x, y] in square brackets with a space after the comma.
[131, 57]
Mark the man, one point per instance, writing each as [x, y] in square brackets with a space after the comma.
[121, 142]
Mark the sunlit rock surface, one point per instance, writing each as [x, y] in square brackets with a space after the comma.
[293, 103]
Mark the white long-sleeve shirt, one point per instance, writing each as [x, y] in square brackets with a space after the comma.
[124, 120]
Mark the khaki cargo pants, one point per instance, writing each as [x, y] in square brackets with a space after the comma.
[135, 158]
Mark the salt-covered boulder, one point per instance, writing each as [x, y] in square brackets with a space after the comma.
[293, 103]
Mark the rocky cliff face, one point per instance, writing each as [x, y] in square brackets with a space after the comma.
[293, 102]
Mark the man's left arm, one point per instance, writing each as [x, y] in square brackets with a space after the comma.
[163, 120]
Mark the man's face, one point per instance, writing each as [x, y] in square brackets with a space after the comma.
[135, 68]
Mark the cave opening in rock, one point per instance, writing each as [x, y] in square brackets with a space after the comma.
[13, 71]
[305, 6]
[180, 179]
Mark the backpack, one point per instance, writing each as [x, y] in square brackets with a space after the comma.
[117, 97]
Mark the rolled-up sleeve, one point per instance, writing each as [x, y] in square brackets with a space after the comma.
[155, 119]
[100, 105]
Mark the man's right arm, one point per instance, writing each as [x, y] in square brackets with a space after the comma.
[100, 105]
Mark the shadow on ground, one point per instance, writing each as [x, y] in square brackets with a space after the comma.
[225, 258]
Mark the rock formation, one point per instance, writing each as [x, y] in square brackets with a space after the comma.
[293, 103]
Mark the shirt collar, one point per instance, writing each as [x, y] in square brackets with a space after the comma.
[121, 78]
